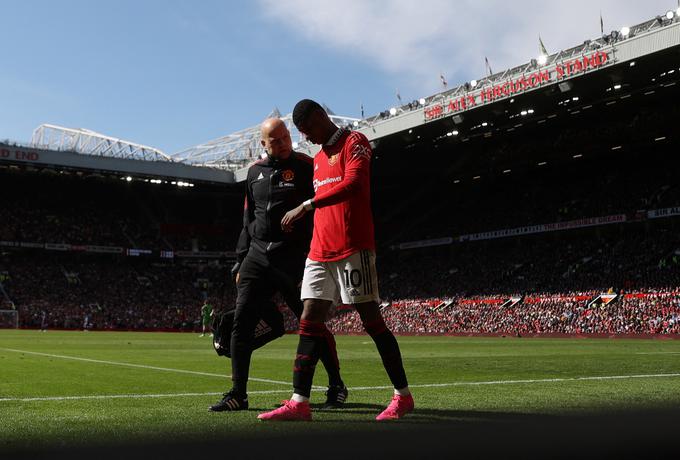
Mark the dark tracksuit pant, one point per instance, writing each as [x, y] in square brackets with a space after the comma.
[262, 275]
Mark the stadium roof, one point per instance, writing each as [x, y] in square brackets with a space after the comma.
[236, 150]
[231, 152]
[86, 142]
[162, 171]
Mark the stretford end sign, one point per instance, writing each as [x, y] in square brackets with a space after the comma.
[559, 72]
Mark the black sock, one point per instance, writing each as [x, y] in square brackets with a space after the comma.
[309, 348]
[240, 362]
[389, 352]
[329, 358]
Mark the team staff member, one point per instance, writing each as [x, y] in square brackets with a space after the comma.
[271, 260]
[341, 262]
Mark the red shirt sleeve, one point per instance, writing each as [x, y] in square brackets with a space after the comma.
[357, 167]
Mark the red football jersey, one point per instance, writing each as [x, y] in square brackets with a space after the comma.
[343, 220]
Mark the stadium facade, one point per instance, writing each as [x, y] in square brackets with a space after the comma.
[613, 58]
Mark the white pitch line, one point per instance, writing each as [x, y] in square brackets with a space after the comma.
[427, 385]
[128, 396]
[141, 366]
[658, 353]
[516, 382]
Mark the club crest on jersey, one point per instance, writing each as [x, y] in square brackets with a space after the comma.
[288, 175]
[333, 159]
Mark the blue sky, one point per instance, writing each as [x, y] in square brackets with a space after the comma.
[172, 74]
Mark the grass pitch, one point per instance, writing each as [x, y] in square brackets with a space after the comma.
[73, 388]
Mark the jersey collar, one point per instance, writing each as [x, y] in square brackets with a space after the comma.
[334, 138]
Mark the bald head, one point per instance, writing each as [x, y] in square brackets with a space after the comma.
[276, 138]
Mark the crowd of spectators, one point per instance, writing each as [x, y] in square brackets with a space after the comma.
[116, 294]
[112, 293]
[634, 256]
[652, 312]
[603, 163]
[68, 208]
[460, 288]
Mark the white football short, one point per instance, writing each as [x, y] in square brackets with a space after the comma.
[348, 281]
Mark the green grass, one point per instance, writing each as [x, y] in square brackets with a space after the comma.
[463, 362]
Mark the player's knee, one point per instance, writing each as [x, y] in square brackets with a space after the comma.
[375, 327]
[312, 316]
[368, 312]
[315, 311]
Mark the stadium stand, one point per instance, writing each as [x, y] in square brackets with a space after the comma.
[562, 170]
[650, 313]
[556, 273]
[513, 217]
[65, 207]
[113, 293]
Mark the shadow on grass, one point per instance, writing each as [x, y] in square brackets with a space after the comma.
[429, 416]
[419, 416]
[499, 435]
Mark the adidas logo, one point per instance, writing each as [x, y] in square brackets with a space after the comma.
[353, 292]
[234, 404]
[262, 328]
[261, 176]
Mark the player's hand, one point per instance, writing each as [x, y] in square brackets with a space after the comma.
[234, 272]
[291, 216]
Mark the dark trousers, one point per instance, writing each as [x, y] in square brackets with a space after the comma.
[260, 277]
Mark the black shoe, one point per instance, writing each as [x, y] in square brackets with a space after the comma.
[335, 397]
[230, 402]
